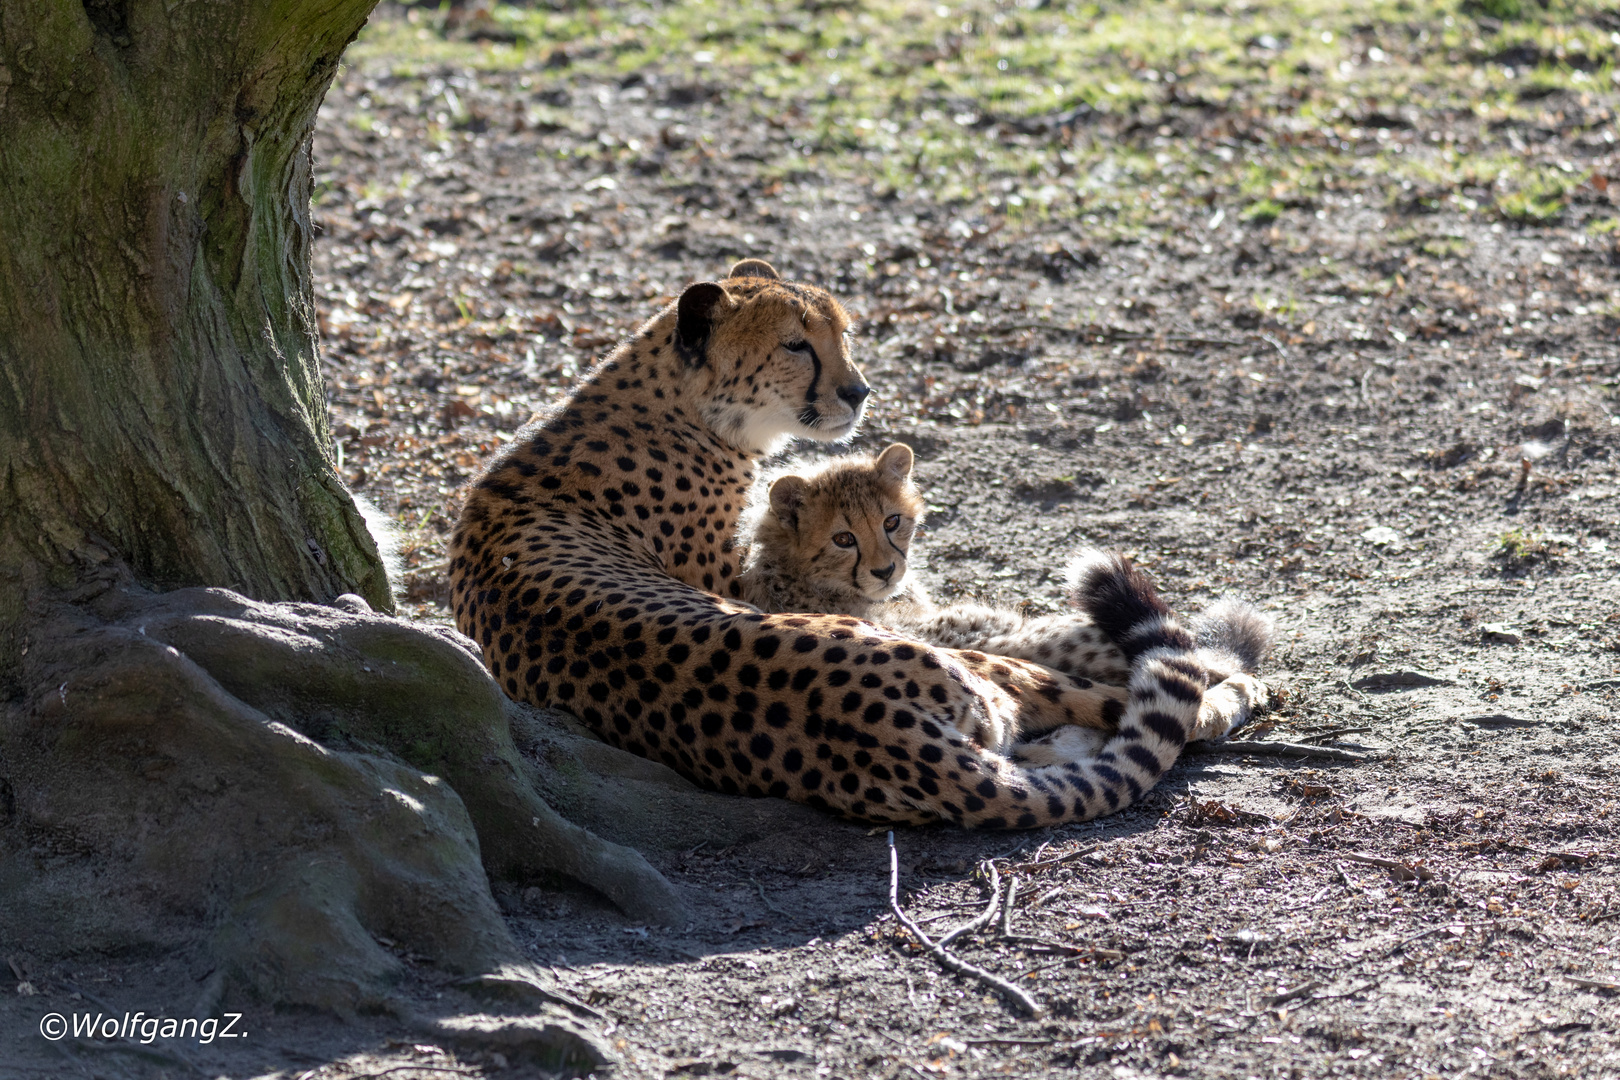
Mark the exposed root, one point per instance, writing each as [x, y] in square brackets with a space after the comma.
[320, 787]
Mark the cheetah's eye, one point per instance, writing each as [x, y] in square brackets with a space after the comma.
[844, 540]
[891, 523]
[796, 346]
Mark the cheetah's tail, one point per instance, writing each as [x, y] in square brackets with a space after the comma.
[1237, 629]
[1166, 684]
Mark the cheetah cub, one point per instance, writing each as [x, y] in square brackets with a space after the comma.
[836, 538]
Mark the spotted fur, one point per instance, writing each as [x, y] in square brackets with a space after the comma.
[594, 566]
[838, 537]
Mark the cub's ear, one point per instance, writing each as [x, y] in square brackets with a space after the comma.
[894, 464]
[694, 318]
[754, 268]
[787, 499]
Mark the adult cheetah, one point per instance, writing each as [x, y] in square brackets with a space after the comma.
[593, 565]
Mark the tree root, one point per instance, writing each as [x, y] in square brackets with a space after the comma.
[631, 800]
[317, 785]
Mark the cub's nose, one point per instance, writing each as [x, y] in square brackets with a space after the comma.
[854, 393]
[884, 574]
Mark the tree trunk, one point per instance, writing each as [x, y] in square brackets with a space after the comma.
[162, 406]
[269, 774]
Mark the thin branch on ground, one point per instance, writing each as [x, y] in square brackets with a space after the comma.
[946, 960]
[1279, 749]
[1052, 964]
[1007, 908]
[1415, 938]
[985, 917]
[951, 914]
[1362, 989]
[1324, 736]
[1298, 992]
[1031, 939]
[1399, 869]
[1032, 867]
[1010, 1042]
[765, 899]
[1040, 901]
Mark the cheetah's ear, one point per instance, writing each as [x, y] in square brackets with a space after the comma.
[787, 499]
[694, 318]
[754, 268]
[894, 464]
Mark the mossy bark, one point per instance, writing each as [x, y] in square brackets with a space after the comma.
[292, 783]
[161, 401]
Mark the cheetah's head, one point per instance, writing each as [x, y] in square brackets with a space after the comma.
[846, 526]
[770, 358]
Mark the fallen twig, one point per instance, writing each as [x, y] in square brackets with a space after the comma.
[1010, 1042]
[946, 960]
[766, 900]
[1323, 736]
[985, 917]
[1050, 965]
[1278, 749]
[1031, 939]
[1040, 901]
[1032, 867]
[1007, 908]
[1297, 992]
[1363, 988]
[1345, 879]
[1401, 871]
[1415, 938]
[951, 914]
[1591, 984]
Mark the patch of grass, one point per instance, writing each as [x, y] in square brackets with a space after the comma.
[1602, 226]
[1067, 108]
[1519, 548]
[1500, 9]
[1534, 204]
[1263, 212]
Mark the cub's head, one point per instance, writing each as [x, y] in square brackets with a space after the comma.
[844, 527]
[769, 358]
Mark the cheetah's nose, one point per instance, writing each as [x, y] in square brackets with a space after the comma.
[884, 574]
[854, 393]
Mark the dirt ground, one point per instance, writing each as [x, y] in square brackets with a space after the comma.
[1386, 412]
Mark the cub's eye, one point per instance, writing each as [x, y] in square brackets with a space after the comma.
[844, 539]
[796, 346]
[891, 523]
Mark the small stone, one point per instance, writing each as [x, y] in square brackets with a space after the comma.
[1499, 634]
[1499, 720]
[1388, 680]
[1380, 535]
